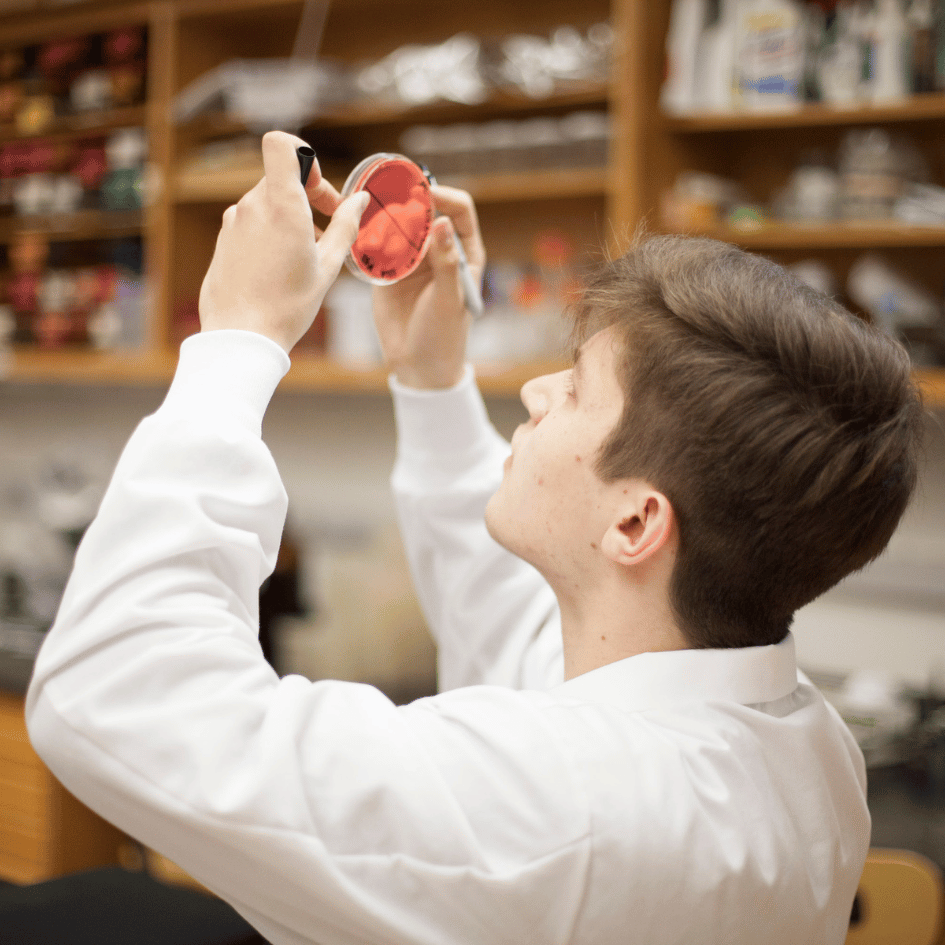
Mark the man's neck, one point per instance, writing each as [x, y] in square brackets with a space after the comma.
[613, 622]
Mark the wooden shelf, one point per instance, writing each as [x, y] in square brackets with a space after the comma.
[91, 367]
[533, 185]
[932, 383]
[184, 40]
[80, 126]
[308, 372]
[81, 225]
[228, 185]
[313, 373]
[321, 374]
[828, 236]
[501, 102]
[44, 831]
[917, 108]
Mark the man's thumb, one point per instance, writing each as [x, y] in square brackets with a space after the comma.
[342, 229]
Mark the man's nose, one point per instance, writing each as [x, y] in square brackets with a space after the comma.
[536, 397]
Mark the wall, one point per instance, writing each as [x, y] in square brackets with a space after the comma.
[335, 454]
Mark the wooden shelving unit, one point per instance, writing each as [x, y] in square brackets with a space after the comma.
[229, 185]
[597, 206]
[500, 103]
[180, 223]
[82, 225]
[761, 150]
[81, 126]
[44, 831]
[777, 235]
[922, 108]
[308, 372]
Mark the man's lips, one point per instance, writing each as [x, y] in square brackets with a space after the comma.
[517, 435]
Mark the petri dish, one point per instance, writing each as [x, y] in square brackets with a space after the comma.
[395, 228]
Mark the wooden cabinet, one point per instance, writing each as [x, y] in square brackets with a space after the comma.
[597, 207]
[760, 151]
[179, 228]
[44, 831]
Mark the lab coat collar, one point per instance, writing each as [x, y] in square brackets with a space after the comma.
[747, 675]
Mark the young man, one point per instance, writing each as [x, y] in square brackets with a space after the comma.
[624, 750]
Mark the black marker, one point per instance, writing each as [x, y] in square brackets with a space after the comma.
[306, 158]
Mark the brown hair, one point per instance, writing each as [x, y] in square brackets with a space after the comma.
[783, 429]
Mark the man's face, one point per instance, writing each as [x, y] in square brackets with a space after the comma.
[551, 508]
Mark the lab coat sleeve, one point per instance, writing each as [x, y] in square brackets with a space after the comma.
[320, 811]
[493, 616]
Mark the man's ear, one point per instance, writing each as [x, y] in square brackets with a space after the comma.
[642, 526]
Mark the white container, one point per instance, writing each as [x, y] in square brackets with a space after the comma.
[840, 66]
[889, 59]
[688, 21]
[715, 74]
[770, 55]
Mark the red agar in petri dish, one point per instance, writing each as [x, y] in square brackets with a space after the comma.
[395, 227]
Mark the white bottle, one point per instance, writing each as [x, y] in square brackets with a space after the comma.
[688, 21]
[840, 67]
[888, 59]
[715, 69]
[770, 55]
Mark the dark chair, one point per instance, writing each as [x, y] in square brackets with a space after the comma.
[115, 906]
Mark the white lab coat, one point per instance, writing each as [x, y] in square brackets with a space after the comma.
[687, 797]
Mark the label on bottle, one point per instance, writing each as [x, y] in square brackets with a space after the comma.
[770, 59]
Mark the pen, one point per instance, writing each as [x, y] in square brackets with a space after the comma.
[306, 158]
[471, 292]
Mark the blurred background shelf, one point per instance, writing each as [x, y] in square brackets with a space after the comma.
[229, 185]
[81, 126]
[596, 206]
[932, 382]
[74, 227]
[815, 236]
[309, 372]
[500, 103]
[918, 108]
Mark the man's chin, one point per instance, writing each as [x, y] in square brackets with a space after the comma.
[496, 523]
[492, 520]
[501, 530]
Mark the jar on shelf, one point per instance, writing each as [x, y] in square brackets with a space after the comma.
[91, 91]
[874, 167]
[58, 60]
[122, 188]
[11, 84]
[37, 110]
[28, 255]
[124, 53]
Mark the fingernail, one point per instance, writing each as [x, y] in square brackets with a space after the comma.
[445, 234]
[364, 198]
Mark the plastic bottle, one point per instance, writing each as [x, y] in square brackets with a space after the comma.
[921, 20]
[840, 66]
[889, 58]
[689, 19]
[770, 55]
[715, 68]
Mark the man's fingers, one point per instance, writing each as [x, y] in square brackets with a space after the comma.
[321, 194]
[342, 230]
[444, 258]
[281, 162]
[459, 207]
[283, 171]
